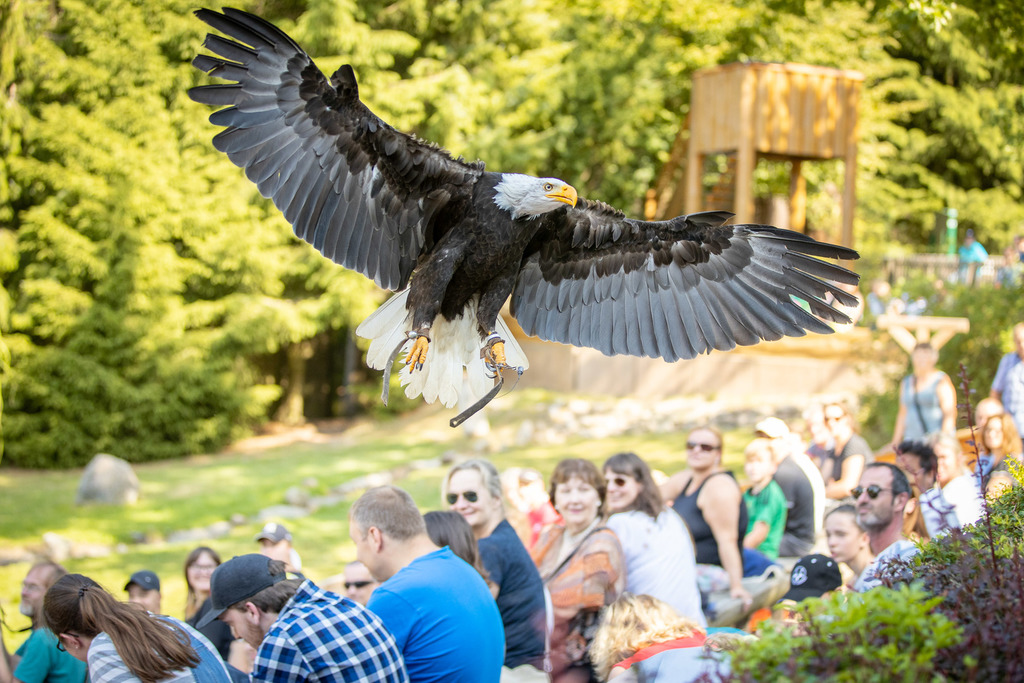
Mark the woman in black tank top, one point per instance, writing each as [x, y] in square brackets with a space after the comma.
[709, 500]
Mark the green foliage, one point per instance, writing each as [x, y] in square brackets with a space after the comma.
[145, 275]
[992, 313]
[958, 618]
[883, 635]
[980, 574]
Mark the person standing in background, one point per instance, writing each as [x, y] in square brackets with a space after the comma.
[1008, 386]
[972, 256]
[927, 399]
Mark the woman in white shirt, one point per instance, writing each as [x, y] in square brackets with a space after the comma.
[960, 488]
[660, 558]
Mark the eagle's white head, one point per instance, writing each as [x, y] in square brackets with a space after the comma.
[523, 195]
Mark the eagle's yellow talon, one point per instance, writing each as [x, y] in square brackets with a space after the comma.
[418, 353]
[496, 353]
[493, 352]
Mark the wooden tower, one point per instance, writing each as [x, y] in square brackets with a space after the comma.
[791, 112]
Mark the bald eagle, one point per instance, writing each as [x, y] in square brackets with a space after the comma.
[456, 240]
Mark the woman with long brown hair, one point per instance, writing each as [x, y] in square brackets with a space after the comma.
[660, 557]
[121, 642]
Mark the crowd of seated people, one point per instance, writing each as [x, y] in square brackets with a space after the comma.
[599, 573]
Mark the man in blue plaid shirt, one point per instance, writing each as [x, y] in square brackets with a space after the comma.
[301, 632]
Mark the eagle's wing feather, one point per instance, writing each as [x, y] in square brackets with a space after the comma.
[362, 193]
[674, 289]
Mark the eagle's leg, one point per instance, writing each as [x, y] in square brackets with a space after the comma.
[418, 352]
[493, 352]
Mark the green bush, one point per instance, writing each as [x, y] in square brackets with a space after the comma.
[979, 573]
[958, 618]
[881, 636]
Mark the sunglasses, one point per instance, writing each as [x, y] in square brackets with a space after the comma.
[620, 480]
[706, 447]
[357, 584]
[872, 491]
[470, 496]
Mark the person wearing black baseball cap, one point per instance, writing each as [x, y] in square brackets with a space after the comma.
[813, 576]
[310, 634]
[144, 589]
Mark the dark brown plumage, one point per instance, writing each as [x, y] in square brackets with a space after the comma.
[405, 213]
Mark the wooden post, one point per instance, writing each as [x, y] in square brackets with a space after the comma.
[910, 330]
[797, 197]
[746, 156]
[850, 159]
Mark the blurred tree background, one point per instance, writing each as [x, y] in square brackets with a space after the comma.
[153, 305]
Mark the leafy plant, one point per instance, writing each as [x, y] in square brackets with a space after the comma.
[881, 636]
[979, 571]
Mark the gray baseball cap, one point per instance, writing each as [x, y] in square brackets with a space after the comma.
[241, 577]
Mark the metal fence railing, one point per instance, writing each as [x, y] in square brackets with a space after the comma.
[940, 266]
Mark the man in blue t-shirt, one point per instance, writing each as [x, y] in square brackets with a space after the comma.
[38, 660]
[439, 608]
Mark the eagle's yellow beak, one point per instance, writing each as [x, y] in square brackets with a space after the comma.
[565, 193]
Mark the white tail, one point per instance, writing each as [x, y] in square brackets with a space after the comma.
[453, 371]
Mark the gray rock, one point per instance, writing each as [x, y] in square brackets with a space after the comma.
[427, 463]
[327, 501]
[296, 496]
[108, 480]
[219, 529]
[238, 519]
[281, 512]
[189, 535]
[525, 433]
[58, 548]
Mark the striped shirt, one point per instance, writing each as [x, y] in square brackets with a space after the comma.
[106, 666]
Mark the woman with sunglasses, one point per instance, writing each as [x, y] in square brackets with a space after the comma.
[660, 559]
[844, 462]
[582, 566]
[709, 500]
[121, 642]
[473, 490]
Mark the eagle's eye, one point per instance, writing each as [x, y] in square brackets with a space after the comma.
[548, 187]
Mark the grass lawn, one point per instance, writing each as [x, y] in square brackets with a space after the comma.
[200, 490]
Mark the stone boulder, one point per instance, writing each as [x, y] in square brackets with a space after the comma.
[108, 480]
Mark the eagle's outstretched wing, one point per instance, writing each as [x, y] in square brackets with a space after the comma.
[361, 192]
[674, 289]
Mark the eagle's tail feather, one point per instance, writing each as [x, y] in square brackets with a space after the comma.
[453, 371]
[385, 328]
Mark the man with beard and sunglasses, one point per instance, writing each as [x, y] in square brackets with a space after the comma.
[880, 498]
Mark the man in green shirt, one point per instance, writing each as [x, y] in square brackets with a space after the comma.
[38, 660]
